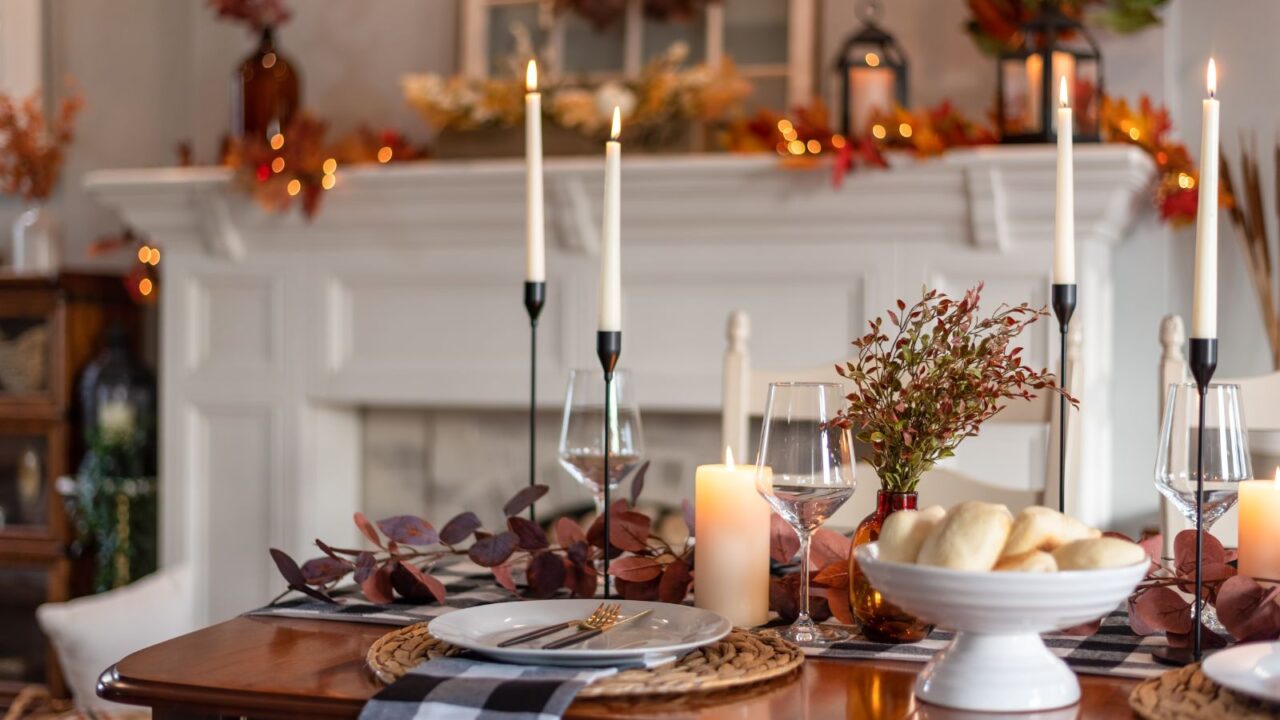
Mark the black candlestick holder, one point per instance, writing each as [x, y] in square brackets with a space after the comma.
[535, 296]
[1064, 306]
[1203, 361]
[608, 348]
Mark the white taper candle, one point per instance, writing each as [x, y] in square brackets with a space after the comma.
[1064, 228]
[611, 234]
[1204, 312]
[535, 242]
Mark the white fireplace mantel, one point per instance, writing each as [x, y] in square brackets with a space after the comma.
[405, 289]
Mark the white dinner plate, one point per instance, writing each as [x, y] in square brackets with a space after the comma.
[1252, 669]
[668, 630]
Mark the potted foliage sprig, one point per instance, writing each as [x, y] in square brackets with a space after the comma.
[923, 381]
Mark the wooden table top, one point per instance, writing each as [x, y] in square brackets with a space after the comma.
[278, 668]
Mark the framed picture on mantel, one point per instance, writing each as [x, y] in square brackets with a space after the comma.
[771, 42]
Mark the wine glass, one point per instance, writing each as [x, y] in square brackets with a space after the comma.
[805, 471]
[582, 431]
[1226, 449]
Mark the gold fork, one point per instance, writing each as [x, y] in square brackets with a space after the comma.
[603, 615]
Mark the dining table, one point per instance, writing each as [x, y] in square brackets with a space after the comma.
[283, 667]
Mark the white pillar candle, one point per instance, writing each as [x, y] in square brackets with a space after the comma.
[1064, 227]
[611, 234]
[1259, 531]
[731, 555]
[535, 243]
[1204, 311]
[872, 95]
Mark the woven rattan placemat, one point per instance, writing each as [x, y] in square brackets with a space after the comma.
[1188, 694]
[742, 657]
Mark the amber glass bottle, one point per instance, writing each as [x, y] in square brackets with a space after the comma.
[264, 92]
[879, 620]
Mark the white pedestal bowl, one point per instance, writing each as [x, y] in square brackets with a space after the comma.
[997, 661]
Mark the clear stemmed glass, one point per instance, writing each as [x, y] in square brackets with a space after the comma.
[805, 471]
[582, 431]
[1226, 449]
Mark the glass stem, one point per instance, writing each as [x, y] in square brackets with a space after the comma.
[804, 577]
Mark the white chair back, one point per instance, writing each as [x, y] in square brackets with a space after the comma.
[1260, 396]
[745, 390]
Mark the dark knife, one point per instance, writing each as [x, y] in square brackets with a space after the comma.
[585, 635]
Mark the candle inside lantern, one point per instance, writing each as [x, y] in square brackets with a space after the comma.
[1204, 308]
[535, 246]
[871, 93]
[1064, 235]
[1063, 68]
[1259, 528]
[731, 555]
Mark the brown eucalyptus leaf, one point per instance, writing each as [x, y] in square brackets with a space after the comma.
[595, 533]
[1184, 552]
[646, 591]
[783, 543]
[838, 602]
[434, 586]
[459, 527]
[408, 530]
[1164, 609]
[827, 547]
[493, 550]
[1208, 639]
[674, 585]
[528, 535]
[377, 587]
[521, 501]
[502, 573]
[834, 575]
[406, 585]
[630, 530]
[1135, 621]
[334, 552]
[326, 569]
[580, 579]
[1153, 546]
[637, 482]
[366, 564]
[294, 577]
[782, 597]
[819, 610]
[1248, 610]
[545, 574]
[367, 529]
[578, 552]
[635, 569]
[568, 532]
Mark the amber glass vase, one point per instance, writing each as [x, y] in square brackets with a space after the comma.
[880, 620]
[264, 93]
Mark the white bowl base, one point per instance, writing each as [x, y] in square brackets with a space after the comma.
[1002, 673]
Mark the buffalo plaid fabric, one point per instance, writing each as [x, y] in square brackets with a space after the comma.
[1113, 650]
[458, 689]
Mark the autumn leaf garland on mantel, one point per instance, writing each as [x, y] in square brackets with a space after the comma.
[407, 549]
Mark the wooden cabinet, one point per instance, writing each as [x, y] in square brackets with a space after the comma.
[50, 328]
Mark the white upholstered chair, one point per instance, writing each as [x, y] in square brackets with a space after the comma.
[745, 389]
[1260, 396]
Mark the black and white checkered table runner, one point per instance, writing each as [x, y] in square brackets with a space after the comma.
[1114, 650]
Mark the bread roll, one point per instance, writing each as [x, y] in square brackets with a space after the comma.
[1034, 561]
[1041, 528]
[904, 532]
[970, 538]
[1101, 552]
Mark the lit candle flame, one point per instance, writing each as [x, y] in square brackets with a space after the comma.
[1212, 75]
[1278, 475]
[1062, 91]
[531, 76]
[728, 461]
[617, 123]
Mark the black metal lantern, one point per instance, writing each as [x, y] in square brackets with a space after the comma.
[1051, 47]
[118, 397]
[873, 73]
